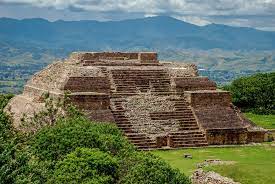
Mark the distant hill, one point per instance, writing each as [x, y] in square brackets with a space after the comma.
[157, 33]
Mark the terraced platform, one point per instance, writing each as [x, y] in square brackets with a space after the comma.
[156, 104]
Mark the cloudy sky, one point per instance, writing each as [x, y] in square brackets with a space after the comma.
[259, 14]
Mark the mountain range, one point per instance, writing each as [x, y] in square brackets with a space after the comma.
[152, 33]
[221, 52]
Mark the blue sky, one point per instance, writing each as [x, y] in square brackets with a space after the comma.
[258, 14]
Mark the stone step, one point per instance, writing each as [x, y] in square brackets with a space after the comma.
[134, 79]
[136, 134]
[170, 113]
[138, 71]
[143, 140]
[182, 126]
[190, 145]
[188, 128]
[140, 74]
[135, 76]
[139, 138]
[186, 132]
[188, 138]
[182, 118]
[125, 126]
[189, 142]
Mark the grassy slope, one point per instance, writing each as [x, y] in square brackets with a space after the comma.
[265, 121]
[255, 165]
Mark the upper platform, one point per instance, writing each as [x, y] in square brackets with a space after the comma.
[114, 58]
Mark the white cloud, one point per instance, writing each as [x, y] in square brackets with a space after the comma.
[194, 20]
[199, 7]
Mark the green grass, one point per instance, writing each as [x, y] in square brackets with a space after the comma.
[254, 165]
[265, 121]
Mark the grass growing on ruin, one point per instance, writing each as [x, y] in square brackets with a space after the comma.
[265, 121]
[254, 165]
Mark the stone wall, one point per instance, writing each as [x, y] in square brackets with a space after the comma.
[180, 69]
[95, 106]
[90, 101]
[36, 94]
[226, 136]
[206, 98]
[149, 57]
[256, 136]
[193, 83]
[88, 84]
[141, 56]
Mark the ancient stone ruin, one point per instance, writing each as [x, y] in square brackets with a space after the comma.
[156, 104]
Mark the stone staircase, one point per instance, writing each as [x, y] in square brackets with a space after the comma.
[140, 140]
[187, 139]
[189, 134]
[131, 82]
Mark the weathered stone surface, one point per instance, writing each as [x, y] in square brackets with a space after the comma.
[203, 177]
[156, 104]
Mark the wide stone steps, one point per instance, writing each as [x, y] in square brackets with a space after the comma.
[188, 139]
[141, 141]
[131, 82]
[188, 135]
[191, 145]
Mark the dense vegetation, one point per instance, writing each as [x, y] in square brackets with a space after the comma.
[76, 150]
[255, 93]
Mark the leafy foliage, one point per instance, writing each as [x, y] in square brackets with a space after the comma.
[54, 143]
[255, 93]
[86, 165]
[147, 168]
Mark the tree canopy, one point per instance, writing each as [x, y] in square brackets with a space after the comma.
[255, 93]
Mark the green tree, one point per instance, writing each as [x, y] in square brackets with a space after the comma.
[85, 165]
[255, 93]
[70, 133]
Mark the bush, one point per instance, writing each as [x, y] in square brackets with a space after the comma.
[147, 168]
[255, 93]
[86, 165]
[54, 143]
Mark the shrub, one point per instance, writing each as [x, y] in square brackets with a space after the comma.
[147, 168]
[55, 142]
[86, 165]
